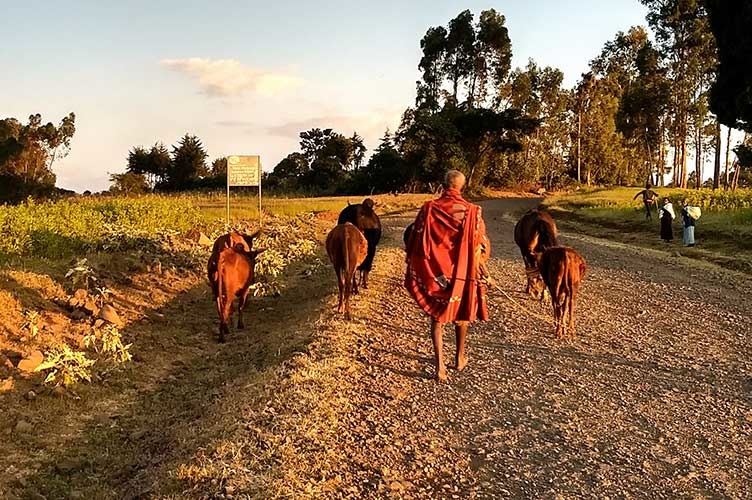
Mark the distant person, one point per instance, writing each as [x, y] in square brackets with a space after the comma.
[689, 224]
[667, 216]
[649, 198]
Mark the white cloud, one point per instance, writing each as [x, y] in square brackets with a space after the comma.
[229, 77]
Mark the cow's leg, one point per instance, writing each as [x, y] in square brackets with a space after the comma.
[351, 284]
[563, 315]
[460, 331]
[221, 321]
[571, 314]
[355, 289]
[364, 278]
[224, 318]
[241, 307]
[437, 333]
[341, 285]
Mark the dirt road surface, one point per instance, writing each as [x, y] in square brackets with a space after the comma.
[653, 399]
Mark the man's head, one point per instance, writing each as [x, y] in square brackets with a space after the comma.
[666, 200]
[685, 202]
[454, 179]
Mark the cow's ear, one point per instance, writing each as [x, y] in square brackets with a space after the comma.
[257, 252]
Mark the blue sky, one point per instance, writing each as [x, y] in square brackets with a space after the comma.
[247, 77]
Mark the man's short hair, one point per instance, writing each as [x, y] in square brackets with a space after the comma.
[454, 179]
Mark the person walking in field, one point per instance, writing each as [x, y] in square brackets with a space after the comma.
[447, 249]
[649, 198]
[689, 224]
[667, 217]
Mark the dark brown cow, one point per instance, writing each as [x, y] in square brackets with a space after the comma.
[363, 216]
[533, 233]
[231, 273]
[347, 249]
[562, 269]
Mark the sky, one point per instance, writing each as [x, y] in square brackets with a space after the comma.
[248, 76]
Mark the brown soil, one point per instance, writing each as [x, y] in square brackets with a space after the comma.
[652, 399]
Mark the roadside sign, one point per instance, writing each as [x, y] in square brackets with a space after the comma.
[243, 170]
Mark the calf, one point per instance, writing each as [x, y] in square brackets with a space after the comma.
[231, 273]
[347, 249]
[533, 233]
[363, 217]
[562, 270]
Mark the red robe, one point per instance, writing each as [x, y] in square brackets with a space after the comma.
[449, 240]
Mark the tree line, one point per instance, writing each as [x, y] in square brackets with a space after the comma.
[644, 110]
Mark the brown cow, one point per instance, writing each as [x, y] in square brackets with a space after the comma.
[363, 216]
[533, 233]
[347, 249]
[231, 273]
[562, 269]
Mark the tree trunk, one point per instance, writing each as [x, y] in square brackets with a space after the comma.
[698, 159]
[674, 177]
[579, 145]
[728, 152]
[717, 165]
[735, 180]
[683, 179]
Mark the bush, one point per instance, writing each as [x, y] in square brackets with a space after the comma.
[67, 227]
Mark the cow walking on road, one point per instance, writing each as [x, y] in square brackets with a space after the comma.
[363, 216]
[535, 232]
[231, 273]
[347, 249]
[563, 269]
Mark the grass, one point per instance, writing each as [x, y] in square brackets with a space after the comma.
[245, 206]
[72, 227]
[724, 231]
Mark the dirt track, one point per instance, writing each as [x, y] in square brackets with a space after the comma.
[653, 398]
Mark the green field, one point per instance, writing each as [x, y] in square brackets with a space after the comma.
[724, 231]
[55, 229]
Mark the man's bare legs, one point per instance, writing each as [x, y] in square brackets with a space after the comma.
[437, 334]
[460, 330]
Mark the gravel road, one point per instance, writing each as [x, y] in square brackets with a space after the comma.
[652, 399]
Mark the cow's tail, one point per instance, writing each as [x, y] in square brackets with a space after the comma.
[346, 256]
[221, 299]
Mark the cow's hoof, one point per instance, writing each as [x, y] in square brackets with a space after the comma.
[241, 326]
[441, 376]
[221, 340]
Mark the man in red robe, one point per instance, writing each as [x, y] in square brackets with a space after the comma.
[446, 254]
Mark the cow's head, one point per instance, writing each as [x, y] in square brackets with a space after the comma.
[369, 203]
[535, 286]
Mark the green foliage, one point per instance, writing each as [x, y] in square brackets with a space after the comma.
[128, 184]
[188, 164]
[66, 367]
[64, 228]
[622, 198]
[325, 164]
[81, 274]
[731, 94]
[474, 56]
[27, 153]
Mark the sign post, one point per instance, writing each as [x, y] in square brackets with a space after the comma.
[243, 171]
